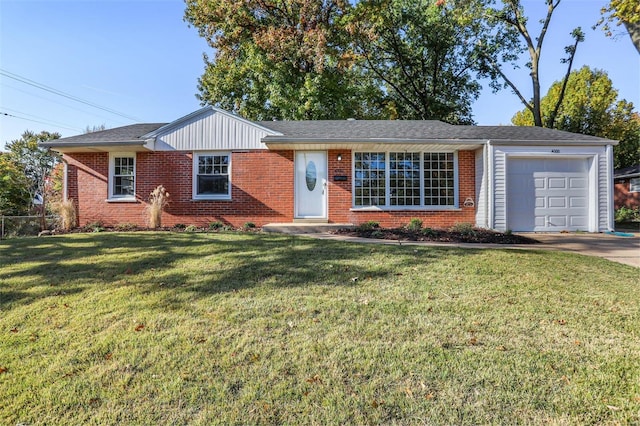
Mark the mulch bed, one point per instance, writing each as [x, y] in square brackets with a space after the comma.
[439, 235]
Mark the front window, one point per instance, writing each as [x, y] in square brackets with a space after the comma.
[211, 176]
[414, 179]
[122, 176]
[634, 185]
[370, 181]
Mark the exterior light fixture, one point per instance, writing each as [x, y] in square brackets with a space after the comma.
[339, 157]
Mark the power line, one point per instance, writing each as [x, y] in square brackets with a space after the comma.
[38, 121]
[49, 99]
[63, 94]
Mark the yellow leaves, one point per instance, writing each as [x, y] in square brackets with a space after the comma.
[315, 379]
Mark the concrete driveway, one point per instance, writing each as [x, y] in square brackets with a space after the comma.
[618, 249]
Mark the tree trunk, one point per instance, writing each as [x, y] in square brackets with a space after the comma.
[634, 33]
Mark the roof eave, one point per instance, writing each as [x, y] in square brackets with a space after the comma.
[102, 146]
[599, 142]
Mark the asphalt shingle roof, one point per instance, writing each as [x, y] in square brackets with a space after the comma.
[414, 130]
[131, 133]
[352, 130]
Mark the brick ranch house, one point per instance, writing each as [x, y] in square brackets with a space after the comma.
[218, 166]
[627, 187]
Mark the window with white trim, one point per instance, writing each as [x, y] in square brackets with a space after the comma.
[122, 176]
[370, 179]
[414, 179]
[211, 175]
[634, 185]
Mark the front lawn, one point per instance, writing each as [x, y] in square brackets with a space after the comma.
[244, 328]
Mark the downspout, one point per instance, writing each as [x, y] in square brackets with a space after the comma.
[488, 197]
[610, 207]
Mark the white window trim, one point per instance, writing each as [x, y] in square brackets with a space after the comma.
[194, 181]
[112, 163]
[634, 186]
[387, 177]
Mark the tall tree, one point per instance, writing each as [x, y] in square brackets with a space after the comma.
[281, 59]
[622, 12]
[425, 54]
[513, 17]
[14, 194]
[35, 162]
[592, 107]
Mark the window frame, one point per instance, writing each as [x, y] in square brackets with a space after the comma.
[112, 196]
[634, 186]
[194, 183]
[387, 183]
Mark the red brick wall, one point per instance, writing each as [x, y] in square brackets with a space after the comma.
[262, 191]
[624, 198]
[340, 200]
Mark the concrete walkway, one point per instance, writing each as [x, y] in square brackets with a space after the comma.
[624, 250]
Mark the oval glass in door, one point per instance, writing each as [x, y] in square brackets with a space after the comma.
[311, 175]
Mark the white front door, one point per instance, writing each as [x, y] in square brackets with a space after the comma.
[311, 185]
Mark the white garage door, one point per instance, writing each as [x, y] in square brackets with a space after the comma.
[547, 195]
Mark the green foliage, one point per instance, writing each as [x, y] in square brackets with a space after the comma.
[216, 225]
[626, 214]
[622, 12]
[282, 59]
[96, 226]
[368, 226]
[179, 226]
[248, 225]
[191, 228]
[415, 225]
[15, 198]
[591, 107]
[425, 54]
[463, 228]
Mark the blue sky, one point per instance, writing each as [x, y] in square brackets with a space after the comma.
[141, 60]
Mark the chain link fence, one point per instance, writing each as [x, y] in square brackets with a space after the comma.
[20, 226]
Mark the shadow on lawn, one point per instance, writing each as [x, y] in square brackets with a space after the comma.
[202, 264]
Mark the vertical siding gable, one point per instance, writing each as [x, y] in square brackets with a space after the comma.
[211, 130]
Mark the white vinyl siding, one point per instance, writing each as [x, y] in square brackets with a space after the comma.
[122, 176]
[634, 185]
[212, 130]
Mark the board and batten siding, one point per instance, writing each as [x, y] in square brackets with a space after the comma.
[601, 202]
[210, 131]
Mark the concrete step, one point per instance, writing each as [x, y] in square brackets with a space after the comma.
[305, 228]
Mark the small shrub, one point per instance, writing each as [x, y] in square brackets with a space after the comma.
[463, 229]
[377, 233]
[227, 228]
[626, 214]
[67, 212]
[248, 225]
[368, 226]
[428, 232]
[96, 226]
[508, 232]
[126, 226]
[414, 225]
[191, 228]
[179, 226]
[216, 225]
[158, 200]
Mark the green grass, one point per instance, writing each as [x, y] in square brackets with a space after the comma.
[245, 328]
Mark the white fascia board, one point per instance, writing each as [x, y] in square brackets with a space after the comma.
[601, 142]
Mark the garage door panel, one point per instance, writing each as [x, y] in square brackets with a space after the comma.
[557, 183]
[547, 194]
